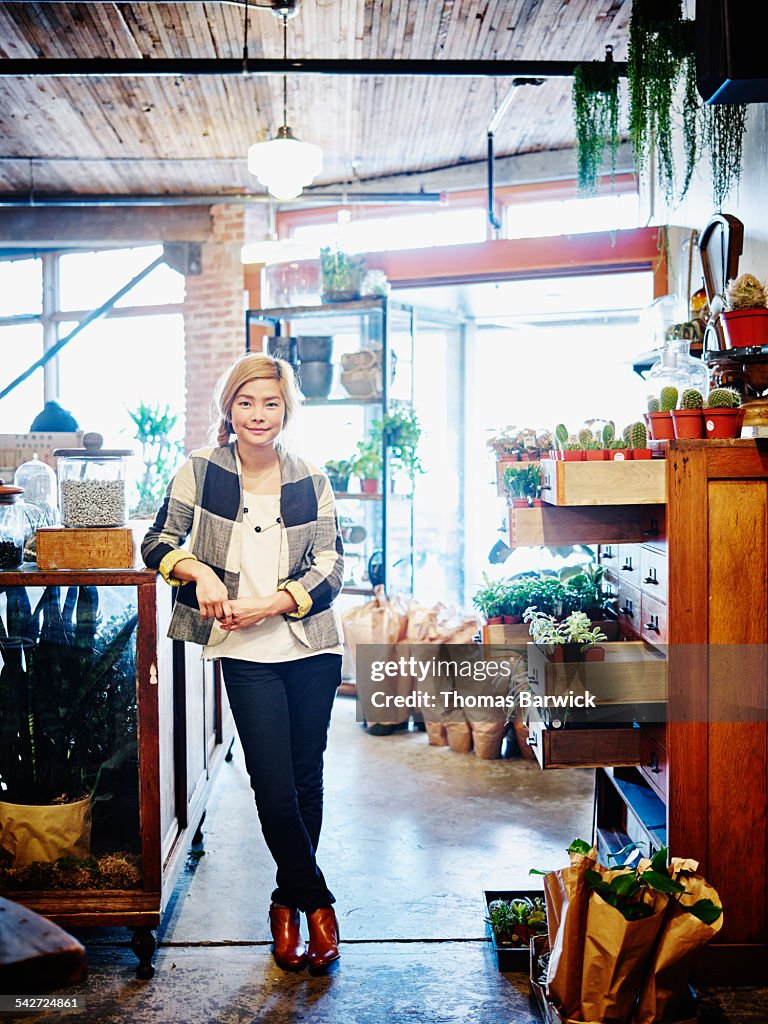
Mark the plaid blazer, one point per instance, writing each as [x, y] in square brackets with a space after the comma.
[204, 502]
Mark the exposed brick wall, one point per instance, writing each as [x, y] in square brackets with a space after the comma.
[214, 320]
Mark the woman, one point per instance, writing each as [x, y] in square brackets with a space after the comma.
[257, 582]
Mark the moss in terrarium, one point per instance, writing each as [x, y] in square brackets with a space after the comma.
[112, 871]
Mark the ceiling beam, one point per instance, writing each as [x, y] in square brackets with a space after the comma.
[63, 228]
[130, 67]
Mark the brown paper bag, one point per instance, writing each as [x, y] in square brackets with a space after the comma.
[665, 995]
[566, 894]
[436, 733]
[617, 953]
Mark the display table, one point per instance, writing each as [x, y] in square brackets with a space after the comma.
[149, 719]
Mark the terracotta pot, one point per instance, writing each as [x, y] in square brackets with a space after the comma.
[619, 454]
[688, 423]
[536, 503]
[594, 455]
[723, 422]
[662, 427]
[743, 327]
[641, 453]
[573, 456]
[511, 620]
[519, 502]
[369, 486]
[495, 620]
[593, 654]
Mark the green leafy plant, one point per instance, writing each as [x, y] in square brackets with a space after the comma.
[515, 921]
[523, 480]
[367, 461]
[338, 472]
[67, 695]
[341, 275]
[583, 590]
[400, 432]
[159, 453]
[546, 630]
[489, 599]
[596, 115]
[723, 129]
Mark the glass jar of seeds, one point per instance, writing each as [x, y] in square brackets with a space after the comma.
[92, 484]
[11, 526]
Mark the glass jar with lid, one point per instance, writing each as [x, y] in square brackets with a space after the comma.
[666, 373]
[39, 483]
[92, 489]
[11, 526]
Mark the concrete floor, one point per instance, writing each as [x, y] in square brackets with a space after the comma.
[412, 836]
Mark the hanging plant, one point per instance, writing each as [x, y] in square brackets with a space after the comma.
[692, 105]
[724, 127]
[659, 43]
[596, 113]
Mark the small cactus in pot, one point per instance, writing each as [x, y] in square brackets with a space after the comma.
[653, 404]
[723, 398]
[608, 434]
[722, 415]
[668, 398]
[688, 419]
[745, 292]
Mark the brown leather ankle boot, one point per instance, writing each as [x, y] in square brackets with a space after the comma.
[323, 939]
[289, 948]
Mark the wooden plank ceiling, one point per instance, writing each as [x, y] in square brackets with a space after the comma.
[190, 134]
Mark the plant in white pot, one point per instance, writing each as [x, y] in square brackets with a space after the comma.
[67, 717]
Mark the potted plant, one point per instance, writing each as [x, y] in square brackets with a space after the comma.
[489, 600]
[513, 920]
[569, 640]
[367, 465]
[596, 115]
[400, 432]
[636, 437]
[341, 275]
[67, 717]
[660, 414]
[688, 420]
[745, 318]
[723, 416]
[593, 451]
[339, 472]
[159, 454]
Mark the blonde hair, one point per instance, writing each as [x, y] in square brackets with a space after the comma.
[254, 366]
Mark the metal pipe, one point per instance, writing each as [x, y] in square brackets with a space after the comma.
[40, 199]
[492, 218]
[139, 67]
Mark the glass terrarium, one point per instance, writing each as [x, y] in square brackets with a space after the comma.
[11, 526]
[92, 486]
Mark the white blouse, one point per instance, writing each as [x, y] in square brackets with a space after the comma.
[271, 640]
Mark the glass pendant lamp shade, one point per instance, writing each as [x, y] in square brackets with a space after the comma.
[285, 164]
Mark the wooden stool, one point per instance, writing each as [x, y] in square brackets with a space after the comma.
[35, 954]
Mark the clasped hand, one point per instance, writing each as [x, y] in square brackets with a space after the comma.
[214, 603]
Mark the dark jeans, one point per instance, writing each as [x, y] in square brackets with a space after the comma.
[282, 712]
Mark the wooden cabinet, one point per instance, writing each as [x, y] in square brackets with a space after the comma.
[182, 730]
[697, 781]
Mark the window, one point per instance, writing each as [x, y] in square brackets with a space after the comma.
[571, 216]
[20, 345]
[21, 287]
[87, 279]
[404, 231]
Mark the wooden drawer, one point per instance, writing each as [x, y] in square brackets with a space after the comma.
[632, 673]
[586, 748]
[629, 564]
[629, 605]
[653, 573]
[654, 766]
[653, 522]
[604, 483]
[608, 557]
[653, 625]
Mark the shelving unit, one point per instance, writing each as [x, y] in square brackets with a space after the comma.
[380, 325]
[691, 581]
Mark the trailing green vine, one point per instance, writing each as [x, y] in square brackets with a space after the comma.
[724, 127]
[658, 42]
[596, 113]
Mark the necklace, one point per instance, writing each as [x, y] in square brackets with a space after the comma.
[260, 529]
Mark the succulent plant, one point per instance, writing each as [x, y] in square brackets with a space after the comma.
[586, 438]
[637, 436]
[609, 432]
[745, 292]
[561, 435]
[723, 398]
[668, 398]
[653, 404]
[692, 399]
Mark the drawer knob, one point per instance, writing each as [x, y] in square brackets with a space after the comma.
[653, 624]
[651, 579]
[626, 610]
[654, 764]
[627, 567]
[532, 740]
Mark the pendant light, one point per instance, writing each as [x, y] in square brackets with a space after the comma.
[285, 164]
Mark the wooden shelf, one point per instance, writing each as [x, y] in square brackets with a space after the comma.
[552, 525]
[356, 496]
[604, 483]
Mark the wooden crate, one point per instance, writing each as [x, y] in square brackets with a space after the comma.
[61, 547]
[604, 483]
[552, 526]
